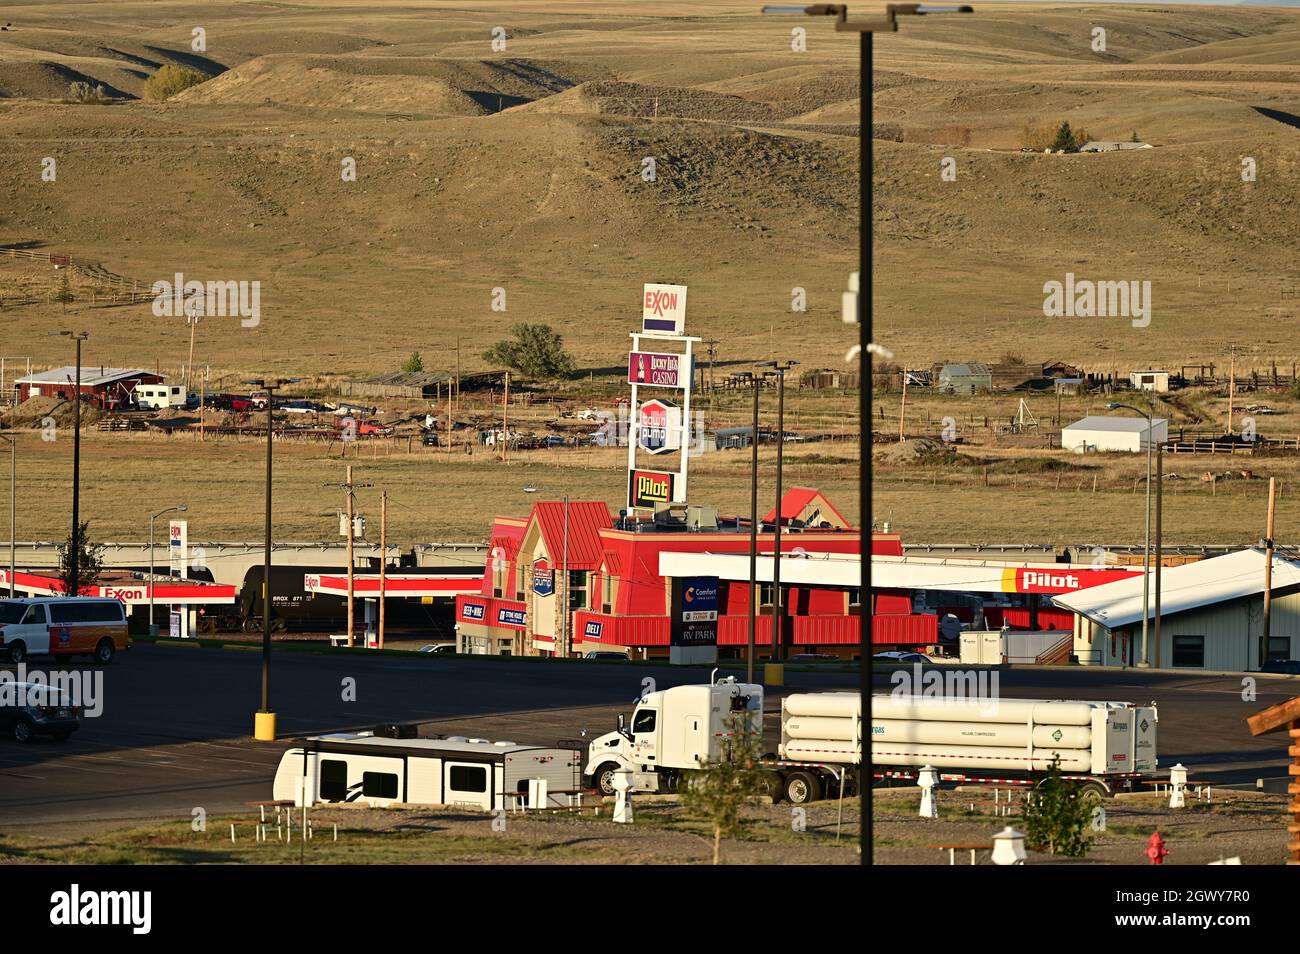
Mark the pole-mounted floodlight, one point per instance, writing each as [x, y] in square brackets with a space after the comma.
[866, 349]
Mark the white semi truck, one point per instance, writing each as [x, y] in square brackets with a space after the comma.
[1105, 745]
[687, 727]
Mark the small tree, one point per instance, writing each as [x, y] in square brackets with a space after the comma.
[717, 792]
[1134, 137]
[82, 92]
[1064, 141]
[536, 350]
[64, 294]
[169, 81]
[1057, 815]
[90, 561]
[414, 363]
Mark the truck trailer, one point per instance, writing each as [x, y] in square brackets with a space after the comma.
[1103, 745]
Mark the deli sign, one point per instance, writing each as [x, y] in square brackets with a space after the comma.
[656, 369]
[648, 488]
[663, 309]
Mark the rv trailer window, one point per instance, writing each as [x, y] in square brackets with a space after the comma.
[644, 721]
[333, 780]
[379, 784]
[467, 778]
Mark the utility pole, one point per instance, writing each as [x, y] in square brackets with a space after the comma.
[74, 551]
[350, 488]
[1232, 386]
[1268, 573]
[383, 560]
[902, 411]
[753, 539]
[457, 383]
[505, 427]
[13, 506]
[1160, 552]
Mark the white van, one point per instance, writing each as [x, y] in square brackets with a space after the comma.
[62, 626]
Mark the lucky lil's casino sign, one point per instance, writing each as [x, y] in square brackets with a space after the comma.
[655, 369]
[648, 488]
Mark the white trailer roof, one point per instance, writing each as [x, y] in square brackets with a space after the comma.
[466, 746]
[1119, 425]
[1187, 587]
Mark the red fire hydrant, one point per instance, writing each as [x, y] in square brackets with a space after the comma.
[1155, 849]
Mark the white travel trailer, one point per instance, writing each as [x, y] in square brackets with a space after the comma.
[158, 397]
[379, 771]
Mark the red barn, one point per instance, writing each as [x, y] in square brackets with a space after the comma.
[106, 387]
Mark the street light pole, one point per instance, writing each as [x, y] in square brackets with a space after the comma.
[74, 550]
[153, 516]
[264, 719]
[1143, 662]
[778, 603]
[865, 29]
[13, 506]
[753, 540]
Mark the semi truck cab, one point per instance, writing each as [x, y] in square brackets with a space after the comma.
[676, 729]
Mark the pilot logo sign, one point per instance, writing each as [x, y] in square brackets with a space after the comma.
[646, 488]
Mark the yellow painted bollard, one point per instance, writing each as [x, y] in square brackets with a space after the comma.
[774, 674]
[264, 726]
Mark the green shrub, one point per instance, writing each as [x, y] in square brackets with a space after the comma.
[1057, 815]
[169, 81]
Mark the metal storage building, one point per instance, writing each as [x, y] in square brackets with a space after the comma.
[1211, 615]
[1100, 433]
[965, 378]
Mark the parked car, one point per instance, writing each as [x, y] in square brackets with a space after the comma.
[374, 428]
[606, 654]
[438, 648]
[32, 709]
[553, 440]
[430, 439]
[901, 657]
[1290, 667]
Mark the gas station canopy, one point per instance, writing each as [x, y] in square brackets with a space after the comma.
[131, 588]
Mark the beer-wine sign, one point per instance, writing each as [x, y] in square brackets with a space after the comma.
[649, 488]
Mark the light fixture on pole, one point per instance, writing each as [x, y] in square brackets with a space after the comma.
[1143, 663]
[181, 508]
[865, 348]
[564, 648]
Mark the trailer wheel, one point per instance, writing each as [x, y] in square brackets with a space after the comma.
[802, 788]
[775, 787]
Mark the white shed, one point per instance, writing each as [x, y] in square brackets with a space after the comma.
[1099, 433]
[1152, 380]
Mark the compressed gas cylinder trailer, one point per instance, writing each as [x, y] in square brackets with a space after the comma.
[1105, 744]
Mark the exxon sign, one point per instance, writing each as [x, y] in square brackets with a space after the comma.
[663, 309]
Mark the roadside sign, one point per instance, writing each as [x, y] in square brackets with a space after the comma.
[647, 488]
[543, 577]
[657, 369]
[663, 309]
[659, 425]
[179, 548]
[693, 633]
